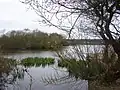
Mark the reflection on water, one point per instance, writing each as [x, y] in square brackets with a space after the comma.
[32, 78]
[26, 54]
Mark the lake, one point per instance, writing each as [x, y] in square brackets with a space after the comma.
[36, 77]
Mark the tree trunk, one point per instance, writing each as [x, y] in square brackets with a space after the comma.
[113, 73]
[116, 47]
[116, 67]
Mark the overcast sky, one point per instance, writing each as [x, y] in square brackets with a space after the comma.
[15, 15]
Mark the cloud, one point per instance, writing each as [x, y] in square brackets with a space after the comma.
[15, 15]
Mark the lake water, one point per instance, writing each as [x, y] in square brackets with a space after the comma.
[35, 77]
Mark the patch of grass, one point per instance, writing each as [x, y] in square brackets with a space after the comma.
[29, 62]
[82, 69]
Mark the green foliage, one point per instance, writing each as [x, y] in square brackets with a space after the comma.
[29, 62]
[82, 69]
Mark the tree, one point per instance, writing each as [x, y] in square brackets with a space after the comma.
[100, 17]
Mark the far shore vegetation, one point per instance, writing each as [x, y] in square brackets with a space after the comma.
[31, 40]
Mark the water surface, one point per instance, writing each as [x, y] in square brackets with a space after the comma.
[34, 77]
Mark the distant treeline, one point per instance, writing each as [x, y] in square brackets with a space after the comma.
[35, 40]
